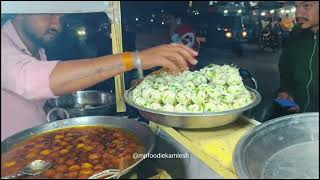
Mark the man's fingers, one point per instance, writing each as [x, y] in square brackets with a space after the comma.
[174, 57]
[184, 52]
[187, 55]
[169, 64]
[178, 59]
[180, 63]
[188, 49]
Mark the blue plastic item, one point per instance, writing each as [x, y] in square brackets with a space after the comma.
[285, 103]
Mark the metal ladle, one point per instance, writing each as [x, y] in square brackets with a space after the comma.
[107, 174]
[36, 167]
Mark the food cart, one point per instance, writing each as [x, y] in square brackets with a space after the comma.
[209, 152]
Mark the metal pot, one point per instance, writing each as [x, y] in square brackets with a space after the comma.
[285, 147]
[141, 130]
[193, 120]
[82, 103]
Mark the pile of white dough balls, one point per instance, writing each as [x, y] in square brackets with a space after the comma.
[213, 88]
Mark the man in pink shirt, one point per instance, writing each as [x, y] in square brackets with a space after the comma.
[28, 79]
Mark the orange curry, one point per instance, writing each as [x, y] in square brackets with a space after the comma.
[77, 152]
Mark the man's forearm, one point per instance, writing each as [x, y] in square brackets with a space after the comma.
[71, 76]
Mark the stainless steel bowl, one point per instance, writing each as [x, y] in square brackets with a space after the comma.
[141, 130]
[193, 120]
[285, 147]
[83, 103]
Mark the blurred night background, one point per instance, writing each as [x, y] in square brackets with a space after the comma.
[248, 34]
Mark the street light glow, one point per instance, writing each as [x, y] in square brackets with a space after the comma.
[272, 11]
[244, 33]
[137, 19]
[228, 34]
[225, 11]
[282, 11]
[263, 14]
[81, 32]
[239, 11]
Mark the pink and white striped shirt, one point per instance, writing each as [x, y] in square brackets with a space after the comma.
[25, 84]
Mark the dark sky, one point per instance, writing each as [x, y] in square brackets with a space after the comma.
[152, 7]
[148, 7]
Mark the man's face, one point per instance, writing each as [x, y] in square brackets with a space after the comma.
[42, 28]
[307, 14]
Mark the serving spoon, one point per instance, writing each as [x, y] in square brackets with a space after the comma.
[36, 167]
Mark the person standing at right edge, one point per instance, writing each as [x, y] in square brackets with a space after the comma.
[299, 62]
